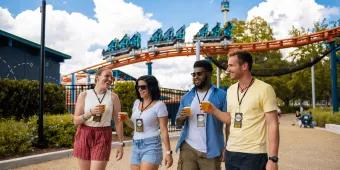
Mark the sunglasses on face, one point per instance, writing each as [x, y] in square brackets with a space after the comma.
[199, 73]
[142, 87]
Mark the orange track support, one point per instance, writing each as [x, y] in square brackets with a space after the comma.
[213, 49]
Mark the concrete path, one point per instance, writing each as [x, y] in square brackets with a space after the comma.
[300, 149]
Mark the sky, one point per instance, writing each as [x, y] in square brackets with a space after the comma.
[83, 28]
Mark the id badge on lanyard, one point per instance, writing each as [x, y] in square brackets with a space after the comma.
[139, 125]
[200, 120]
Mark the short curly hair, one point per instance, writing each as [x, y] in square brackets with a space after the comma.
[204, 64]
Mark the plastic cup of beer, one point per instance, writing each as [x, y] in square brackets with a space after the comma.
[123, 116]
[102, 108]
[187, 111]
[206, 106]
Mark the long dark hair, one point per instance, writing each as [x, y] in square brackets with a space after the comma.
[152, 85]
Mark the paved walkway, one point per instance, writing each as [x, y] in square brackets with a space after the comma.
[300, 149]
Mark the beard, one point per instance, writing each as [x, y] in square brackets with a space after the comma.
[203, 83]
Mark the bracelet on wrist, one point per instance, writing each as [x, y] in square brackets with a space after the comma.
[85, 116]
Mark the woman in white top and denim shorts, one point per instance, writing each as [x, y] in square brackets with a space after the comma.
[150, 120]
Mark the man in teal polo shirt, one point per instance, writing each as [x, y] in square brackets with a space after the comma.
[201, 142]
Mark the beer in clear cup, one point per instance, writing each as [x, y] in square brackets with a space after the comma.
[123, 116]
[187, 111]
[206, 106]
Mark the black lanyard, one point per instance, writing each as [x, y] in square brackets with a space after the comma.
[99, 100]
[142, 110]
[238, 95]
[198, 98]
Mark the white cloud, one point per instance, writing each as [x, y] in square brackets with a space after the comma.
[191, 30]
[283, 14]
[6, 20]
[170, 72]
[83, 37]
[76, 34]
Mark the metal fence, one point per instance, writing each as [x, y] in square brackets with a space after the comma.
[170, 97]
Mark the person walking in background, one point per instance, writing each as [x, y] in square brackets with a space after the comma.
[93, 114]
[201, 141]
[149, 114]
[251, 117]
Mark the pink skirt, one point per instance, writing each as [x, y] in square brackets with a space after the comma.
[93, 143]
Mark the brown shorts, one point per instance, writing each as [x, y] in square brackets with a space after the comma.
[93, 143]
[191, 159]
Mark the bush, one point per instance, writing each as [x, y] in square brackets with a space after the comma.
[324, 116]
[289, 109]
[59, 130]
[20, 98]
[15, 137]
[127, 95]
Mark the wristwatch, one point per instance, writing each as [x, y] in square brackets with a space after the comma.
[169, 152]
[275, 159]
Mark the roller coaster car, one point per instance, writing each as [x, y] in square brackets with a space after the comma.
[202, 33]
[180, 34]
[227, 30]
[168, 39]
[155, 38]
[124, 46]
[215, 35]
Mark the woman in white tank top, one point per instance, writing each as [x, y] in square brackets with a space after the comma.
[93, 114]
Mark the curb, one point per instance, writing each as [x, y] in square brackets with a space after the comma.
[39, 158]
[28, 160]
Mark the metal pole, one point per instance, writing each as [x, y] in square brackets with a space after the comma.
[334, 78]
[313, 86]
[41, 141]
[73, 88]
[198, 50]
[149, 64]
[218, 79]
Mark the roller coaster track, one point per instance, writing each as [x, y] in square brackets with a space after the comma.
[213, 49]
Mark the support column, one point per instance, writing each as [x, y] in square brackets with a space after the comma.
[198, 50]
[88, 79]
[313, 87]
[73, 88]
[218, 79]
[335, 103]
[149, 64]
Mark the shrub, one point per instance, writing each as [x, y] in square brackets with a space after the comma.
[20, 98]
[127, 95]
[59, 130]
[15, 137]
[324, 116]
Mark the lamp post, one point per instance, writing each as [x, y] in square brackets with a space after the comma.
[41, 141]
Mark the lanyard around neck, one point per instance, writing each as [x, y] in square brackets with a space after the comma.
[99, 100]
[238, 95]
[143, 109]
[198, 98]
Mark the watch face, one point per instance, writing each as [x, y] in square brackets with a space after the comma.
[274, 158]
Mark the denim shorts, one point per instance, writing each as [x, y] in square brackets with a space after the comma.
[147, 150]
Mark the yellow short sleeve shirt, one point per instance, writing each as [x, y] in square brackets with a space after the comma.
[251, 136]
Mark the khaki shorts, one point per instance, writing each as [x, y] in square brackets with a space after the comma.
[191, 159]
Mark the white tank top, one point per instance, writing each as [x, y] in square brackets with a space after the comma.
[91, 101]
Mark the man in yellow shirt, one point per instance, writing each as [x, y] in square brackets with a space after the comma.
[251, 117]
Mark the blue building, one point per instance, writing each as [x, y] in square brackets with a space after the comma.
[20, 59]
